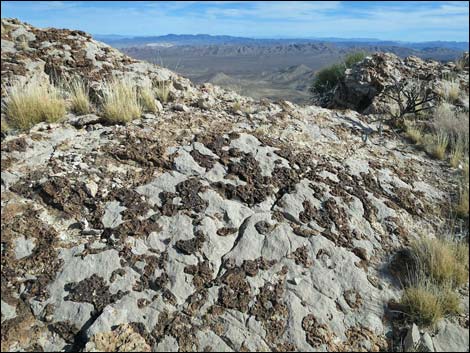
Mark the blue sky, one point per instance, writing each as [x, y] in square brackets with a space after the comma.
[389, 20]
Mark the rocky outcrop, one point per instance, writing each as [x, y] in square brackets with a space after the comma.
[269, 228]
[363, 85]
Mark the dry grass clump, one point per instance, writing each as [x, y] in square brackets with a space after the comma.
[436, 144]
[120, 101]
[454, 123]
[441, 266]
[450, 90]
[414, 133]
[426, 303]
[163, 91]
[4, 125]
[147, 99]
[462, 207]
[457, 153]
[78, 93]
[443, 260]
[28, 103]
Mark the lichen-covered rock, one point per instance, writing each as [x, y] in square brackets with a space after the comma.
[197, 228]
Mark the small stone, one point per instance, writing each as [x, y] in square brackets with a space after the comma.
[426, 343]
[412, 339]
[91, 188]
[180, 107]
[148, 116]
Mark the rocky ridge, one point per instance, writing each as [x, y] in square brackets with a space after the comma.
[267, 228]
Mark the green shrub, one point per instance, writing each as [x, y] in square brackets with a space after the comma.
[327, 78]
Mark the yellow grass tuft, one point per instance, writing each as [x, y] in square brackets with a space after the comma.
[462, 207]
[426, 303]
[147, 99]
[79, 96]
[439, 259]
[450, 90]
[436, 145]
[163, 91]
[28, 103]
[120, 101]
[414, 133]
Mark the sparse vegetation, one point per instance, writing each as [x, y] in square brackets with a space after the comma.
[28, 103]
[457, 153]
[163, 91]
[442, 266]
[411, 98]
[120, 101]
[450, 90]
[147, 98]
[414, 133]
[327, 78]
[236, 107]
[79, 96]
[462, 207]
[436, 144]
[426, 303]
[441, 259]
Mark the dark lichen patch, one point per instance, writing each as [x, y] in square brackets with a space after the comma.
[191, 246]
[236, 293]
[62, 194]
[143, 150]
[301, 257]
[263, 227]
[303, 231]
[408, 201]
[169, 297]
[309, 212]
[202, 274]
[189, 191]
[114, 275]
[147, 280]
[316, 333]
[203, 160]
[223, 232]
[65, 329]
[195, 301]
[271, 310]
[92, 290]
[42, 264]
[353, 298]
[18, 144]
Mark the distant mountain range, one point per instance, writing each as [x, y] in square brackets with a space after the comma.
[120, 41]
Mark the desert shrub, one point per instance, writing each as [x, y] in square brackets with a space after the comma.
[28, 103]
[163, 91]
[411, 98]
[120, 101]
[327, 78]
[78, 93]
[354, 58]
[147, 98]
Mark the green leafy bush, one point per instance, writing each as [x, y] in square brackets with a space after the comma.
[327, 78]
